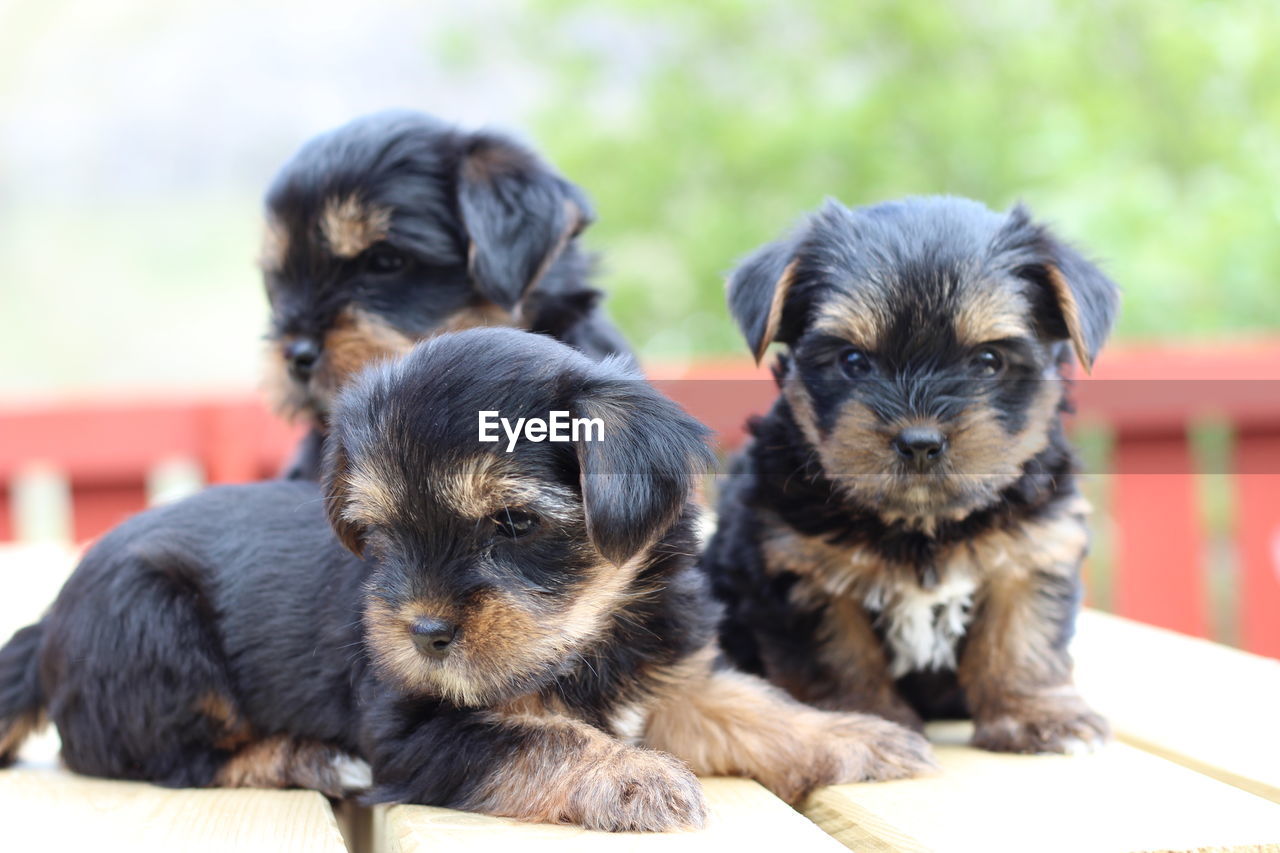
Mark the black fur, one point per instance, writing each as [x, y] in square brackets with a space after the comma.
[906, 277]
[243, 592]
[476, 220]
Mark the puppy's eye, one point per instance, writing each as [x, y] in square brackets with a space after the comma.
[855, 363]
[513, 523]
[384, 259]
[987, 362]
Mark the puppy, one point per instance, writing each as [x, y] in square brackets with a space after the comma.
[904, 534]
[396, 227]
[522, 632]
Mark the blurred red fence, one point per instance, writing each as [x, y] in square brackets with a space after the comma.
[1149, 401]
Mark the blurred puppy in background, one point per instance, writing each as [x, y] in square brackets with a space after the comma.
[904, 533]
[397, 226]
[521, 632]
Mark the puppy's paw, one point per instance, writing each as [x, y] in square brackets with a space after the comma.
[639, 790]
[828, 748]
[1072, 730]
[871, 749]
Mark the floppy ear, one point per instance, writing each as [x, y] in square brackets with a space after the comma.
[337, 487]
[757, 292]
[519, 216]
[637, 478]
[1081, 302]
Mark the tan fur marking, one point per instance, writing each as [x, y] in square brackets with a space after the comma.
[990, 315]
[350, 226]
[359, 338]
[573, 225]
[1017, 682]
[500, 637]
[18, 730]
[484, 485]
[370, 498]
[1004, 563]
[222, 712]
[856, 320]
[569, 772]
[480, 315]
[729, 723]
[776, 305]
[1071, 314]
[275, 246]
[982, 458]
[282, 762]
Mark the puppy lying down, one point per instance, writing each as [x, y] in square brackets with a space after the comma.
[520, 633]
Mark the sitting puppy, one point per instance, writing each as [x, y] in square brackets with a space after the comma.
[526, 634]
[397, 226]
[904, 534]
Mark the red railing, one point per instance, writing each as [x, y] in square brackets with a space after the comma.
[1149, 400]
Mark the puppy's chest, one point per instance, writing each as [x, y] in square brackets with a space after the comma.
[921, 627]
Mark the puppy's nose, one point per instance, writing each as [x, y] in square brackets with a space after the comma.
[921, 446]
[302, 355]
[433, 637]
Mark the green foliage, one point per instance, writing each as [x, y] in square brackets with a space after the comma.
[1145, 130]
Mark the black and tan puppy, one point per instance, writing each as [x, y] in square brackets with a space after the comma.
[904, 534]
[397, 226]
[524, 632]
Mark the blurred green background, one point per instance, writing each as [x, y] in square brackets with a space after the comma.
[138, 135]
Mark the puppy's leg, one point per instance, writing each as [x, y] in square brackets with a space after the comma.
[284, 762]
[547, 769]
[728, 723]
[856, 676]
[1016, 672]
[136, 683]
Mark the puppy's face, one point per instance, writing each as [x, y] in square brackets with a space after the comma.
[493, 572]
[394, 228]
[927, 339]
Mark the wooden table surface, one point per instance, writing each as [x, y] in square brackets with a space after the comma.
[1171, 699]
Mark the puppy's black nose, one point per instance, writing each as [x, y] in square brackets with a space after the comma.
[302, 355]
[433, 637]
[921, 446]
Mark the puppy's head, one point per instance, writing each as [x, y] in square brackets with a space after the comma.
[492, 571]
[926, 340]
[396, 227]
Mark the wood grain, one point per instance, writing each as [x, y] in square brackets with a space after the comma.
[1118, 800]
[744, 816]
[45, 808]
[51, 810]
[1203, 705]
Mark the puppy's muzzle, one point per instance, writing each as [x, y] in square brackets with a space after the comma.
[433, 637]
[302, 355]
[920, 447]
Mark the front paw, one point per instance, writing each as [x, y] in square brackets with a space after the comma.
[871, 749]
[1042, 728]
[639, 790]
[834, 748]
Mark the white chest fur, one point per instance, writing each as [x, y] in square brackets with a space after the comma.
[922, 626]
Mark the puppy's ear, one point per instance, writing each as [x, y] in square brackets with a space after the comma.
[636, 480]
[757, 292]
[1078, 302]
[337, 494]
[519, 216]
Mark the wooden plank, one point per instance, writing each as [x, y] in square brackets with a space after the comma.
[1115, 801]
[43, 809]
[1198, 703]
[1160, 543]
[1257, 483]
[744, 816]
